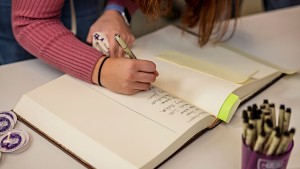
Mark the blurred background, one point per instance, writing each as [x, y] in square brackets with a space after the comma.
[141, 26]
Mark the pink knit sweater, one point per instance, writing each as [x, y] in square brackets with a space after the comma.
[37, 27]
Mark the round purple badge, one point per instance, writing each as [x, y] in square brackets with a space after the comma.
[6, 123]
[11, 141]
[11, 114]
[26, 143]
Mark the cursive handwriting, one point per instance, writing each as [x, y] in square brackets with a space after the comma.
[173, 106]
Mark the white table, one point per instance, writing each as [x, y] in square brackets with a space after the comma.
[219, 148]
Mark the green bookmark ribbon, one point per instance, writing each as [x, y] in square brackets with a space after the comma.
[227, 106]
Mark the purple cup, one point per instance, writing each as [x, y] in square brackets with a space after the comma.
[254, 160]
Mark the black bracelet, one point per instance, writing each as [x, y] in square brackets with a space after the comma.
[100, 68]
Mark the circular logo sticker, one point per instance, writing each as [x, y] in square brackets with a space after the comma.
[11, 114]
[6, 123]
[12, 141]
[26, 143]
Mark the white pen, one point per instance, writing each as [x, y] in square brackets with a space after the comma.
[275, 141]
[270, 139]
[245, 125]
[286, 119]
[281, 116]
[252, 121]
[124, 46]
[266, 103]
[284, 139]
[290, 139]
[250, 135]
[268, 126]
[259, 142]
[273, 115]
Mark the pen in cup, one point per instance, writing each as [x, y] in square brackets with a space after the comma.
[124, 46]
[260, 132]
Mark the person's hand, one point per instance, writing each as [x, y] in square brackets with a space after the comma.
[126, 76]
[110, 23]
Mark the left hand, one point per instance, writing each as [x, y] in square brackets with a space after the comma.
[110, 23]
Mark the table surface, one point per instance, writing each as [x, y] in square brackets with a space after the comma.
[218, 148]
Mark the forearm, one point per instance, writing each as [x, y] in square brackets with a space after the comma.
[42, 34]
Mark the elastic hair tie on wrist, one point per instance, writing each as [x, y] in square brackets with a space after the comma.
[100, 68]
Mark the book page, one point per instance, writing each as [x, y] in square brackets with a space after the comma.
[160, 107]
[198, 88]
[112, 126]
[230, 71]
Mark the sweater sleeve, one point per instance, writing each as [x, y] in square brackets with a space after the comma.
[37, 27]
[129, 4]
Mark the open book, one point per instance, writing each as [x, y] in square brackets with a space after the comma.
[102, 129]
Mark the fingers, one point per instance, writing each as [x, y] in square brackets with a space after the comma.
[129, 39]
[143, 71]
[140, 82]
[116, 50]
[145, 77]
[110, 23]
[100, 42]
[128, 76]
[108, 45]
[114, 47]
[146, 66]
[121, 52]
[138, 86]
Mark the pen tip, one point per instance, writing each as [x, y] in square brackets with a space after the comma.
[293, 130]
[254, 106]
[269, 123]
[263, 133]
[245, 114]
[286, 133]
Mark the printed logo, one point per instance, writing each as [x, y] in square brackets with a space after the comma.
[271, 164]
[6, 123]
[11, 142]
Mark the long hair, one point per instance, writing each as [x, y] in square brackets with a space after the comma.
[211, 16]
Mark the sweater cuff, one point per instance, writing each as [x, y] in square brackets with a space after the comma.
[130, 5]
[122, 10]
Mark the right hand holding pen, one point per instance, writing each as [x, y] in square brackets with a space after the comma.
[128, 76]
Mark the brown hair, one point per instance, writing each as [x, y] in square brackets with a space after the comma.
[211, 16]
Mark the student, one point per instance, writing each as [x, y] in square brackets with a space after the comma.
[38, 28]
